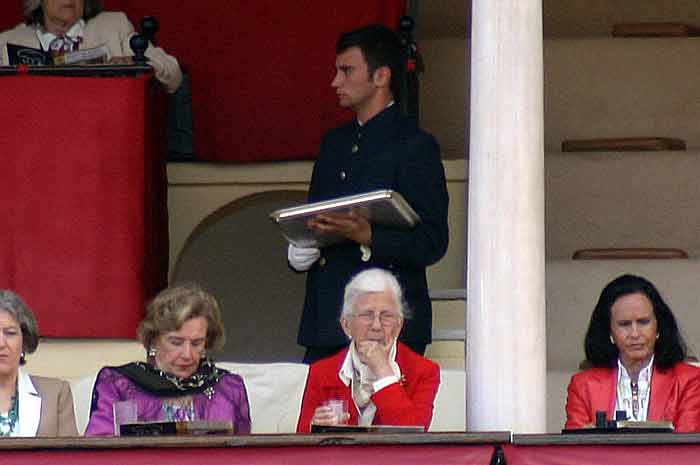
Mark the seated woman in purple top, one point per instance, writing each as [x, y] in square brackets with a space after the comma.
[178, 382]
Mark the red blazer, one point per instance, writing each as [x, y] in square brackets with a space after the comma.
[675, 396]
[409, 402]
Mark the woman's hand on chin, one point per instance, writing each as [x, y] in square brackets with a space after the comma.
[375, 354]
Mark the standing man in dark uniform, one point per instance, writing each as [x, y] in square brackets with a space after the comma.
[380, 149]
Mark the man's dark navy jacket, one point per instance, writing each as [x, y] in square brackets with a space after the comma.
[388, 152]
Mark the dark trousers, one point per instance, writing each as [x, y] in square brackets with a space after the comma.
[314, 354]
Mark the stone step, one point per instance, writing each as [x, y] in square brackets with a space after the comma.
[449, 307]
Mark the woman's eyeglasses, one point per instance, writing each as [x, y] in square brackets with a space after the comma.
[385, 318]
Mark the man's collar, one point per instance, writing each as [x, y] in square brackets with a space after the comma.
[379, 127]
[362, 123]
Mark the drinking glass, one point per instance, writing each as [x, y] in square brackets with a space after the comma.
[340, 410]
[125, 412]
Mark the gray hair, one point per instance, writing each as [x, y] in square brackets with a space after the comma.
[20, 311]
[368, 281]
[34, 13]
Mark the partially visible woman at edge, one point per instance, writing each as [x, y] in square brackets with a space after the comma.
[638, 354]
[60, 26]
[29, 405]
[179, 382]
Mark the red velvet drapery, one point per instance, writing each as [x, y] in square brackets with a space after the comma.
[261, 70]
[81, 175]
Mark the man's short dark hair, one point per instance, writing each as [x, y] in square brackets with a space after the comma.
[380, 46]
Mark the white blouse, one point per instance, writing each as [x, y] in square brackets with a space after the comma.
[634, 399]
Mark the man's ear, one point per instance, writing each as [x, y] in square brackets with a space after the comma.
[382, 76]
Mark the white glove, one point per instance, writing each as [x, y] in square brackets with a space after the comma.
[301, 258]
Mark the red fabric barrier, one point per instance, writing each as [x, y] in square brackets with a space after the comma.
[656, 454]
[83, 201]
[261, 70]
[11, 14]
[327, 455]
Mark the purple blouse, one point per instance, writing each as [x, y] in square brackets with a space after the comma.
[229, 403]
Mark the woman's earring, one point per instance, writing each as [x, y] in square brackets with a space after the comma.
[204, 355]
[152, 352]
[612, 341]
[657, 335]
[22, 359]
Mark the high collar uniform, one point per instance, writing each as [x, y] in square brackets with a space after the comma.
[388, 152]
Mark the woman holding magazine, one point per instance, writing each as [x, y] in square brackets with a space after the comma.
[62, 26]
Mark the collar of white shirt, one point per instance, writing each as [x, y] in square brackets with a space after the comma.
[45, 38]
[347, 369]
[353, 369]
[624, 390]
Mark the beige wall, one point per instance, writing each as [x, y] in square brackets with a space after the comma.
[595, 88]
[444, 94]
[198, 192]
[561, 18]
[74, 358]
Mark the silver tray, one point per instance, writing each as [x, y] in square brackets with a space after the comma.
[383, 207]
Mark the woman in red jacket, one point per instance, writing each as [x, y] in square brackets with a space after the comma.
[637, 354]
[382, 381]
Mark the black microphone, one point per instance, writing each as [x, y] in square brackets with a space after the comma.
[601, 419]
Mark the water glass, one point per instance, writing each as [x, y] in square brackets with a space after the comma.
[125, 412]
[340, 410]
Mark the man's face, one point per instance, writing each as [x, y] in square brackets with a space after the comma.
[353, 84]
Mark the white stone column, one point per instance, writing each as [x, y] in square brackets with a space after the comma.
[506, 348]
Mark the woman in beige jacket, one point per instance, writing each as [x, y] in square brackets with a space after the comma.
[83, 24]
[29, 405]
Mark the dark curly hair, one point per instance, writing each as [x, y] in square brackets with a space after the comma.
[670, 347]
